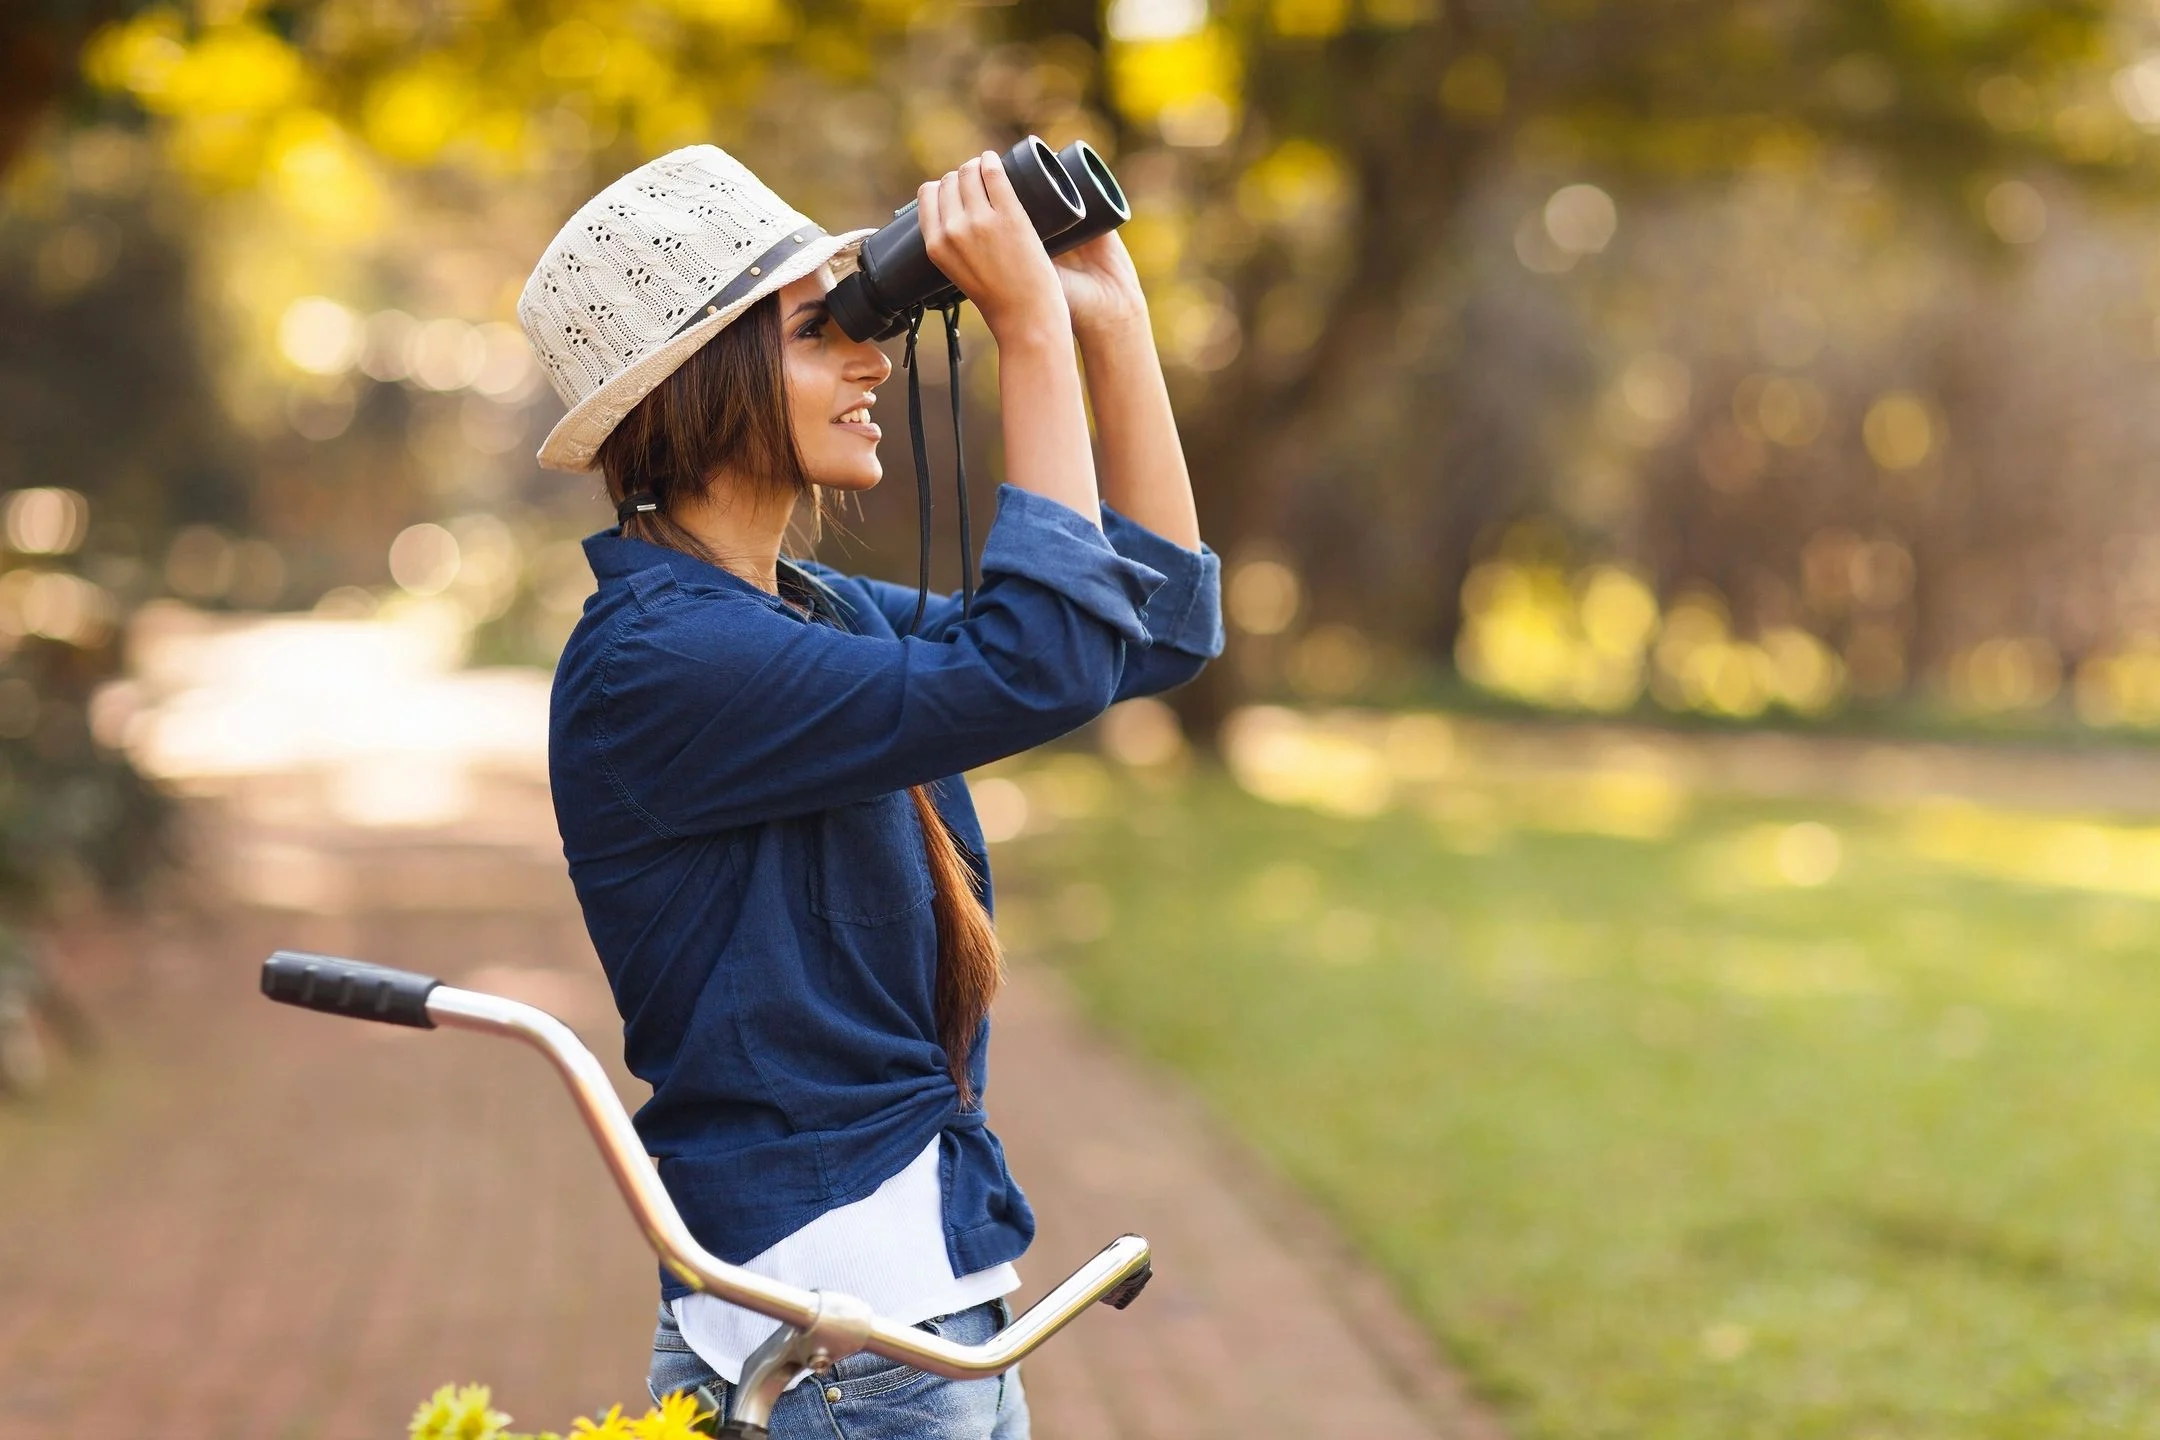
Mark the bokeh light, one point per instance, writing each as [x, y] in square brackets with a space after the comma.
[1142, 733]
[46, 520]
[1581, 219]
[1263, 596]
[1899, 430]
[320, 336]
[2015, 211]
[424, 559]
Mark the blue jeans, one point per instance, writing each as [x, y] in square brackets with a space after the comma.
[867, 1397]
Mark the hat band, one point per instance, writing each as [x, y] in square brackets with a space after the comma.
[749, 279]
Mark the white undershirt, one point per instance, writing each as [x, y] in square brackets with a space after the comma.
[887, 1248]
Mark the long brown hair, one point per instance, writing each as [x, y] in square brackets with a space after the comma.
[726, 408]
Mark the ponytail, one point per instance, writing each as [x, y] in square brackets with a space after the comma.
[971, 964]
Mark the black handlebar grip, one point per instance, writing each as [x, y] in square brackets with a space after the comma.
[349, 987]
[1128, 1290]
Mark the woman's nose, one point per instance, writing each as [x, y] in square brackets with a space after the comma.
[870, 365]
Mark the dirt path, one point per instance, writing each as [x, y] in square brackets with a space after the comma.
[245, 1221]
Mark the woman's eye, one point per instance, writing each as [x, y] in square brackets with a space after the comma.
[811, 330]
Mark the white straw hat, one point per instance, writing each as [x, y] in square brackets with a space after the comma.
[650, 269]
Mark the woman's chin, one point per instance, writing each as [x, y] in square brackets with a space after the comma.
[852, 477]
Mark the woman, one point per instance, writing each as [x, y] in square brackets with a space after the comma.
[757, 768]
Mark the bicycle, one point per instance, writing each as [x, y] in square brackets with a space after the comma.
[816, 1328]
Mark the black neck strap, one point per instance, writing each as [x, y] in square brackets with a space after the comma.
[917, 442]
[951, 311]
[921, 447]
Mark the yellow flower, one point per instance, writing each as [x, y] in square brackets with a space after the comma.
[676, 1419]
[611, 1427]
[459, 1413]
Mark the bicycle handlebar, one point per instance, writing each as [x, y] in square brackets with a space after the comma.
[831, 1325]
[352, 988]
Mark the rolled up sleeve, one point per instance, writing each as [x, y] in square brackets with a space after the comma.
[1183, 615]
[721, 710]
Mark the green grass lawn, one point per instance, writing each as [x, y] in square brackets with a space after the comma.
[1733, 1120]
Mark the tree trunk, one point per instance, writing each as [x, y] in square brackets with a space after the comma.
[40, 41]
[1254, 431]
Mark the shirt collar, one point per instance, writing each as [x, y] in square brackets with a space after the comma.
[615, 557]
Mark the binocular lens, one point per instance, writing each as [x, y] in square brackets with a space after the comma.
[1070, 198]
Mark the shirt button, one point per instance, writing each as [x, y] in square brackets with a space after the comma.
[832, 1393]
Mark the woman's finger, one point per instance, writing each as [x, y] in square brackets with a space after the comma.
[998, 187]
[952, 201]
[952, 221]
[930, 215]
[972, 194]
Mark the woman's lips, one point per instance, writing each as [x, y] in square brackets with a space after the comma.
[860, 427]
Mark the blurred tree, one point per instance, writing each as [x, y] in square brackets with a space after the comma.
[1304, 170]
[1330, 152]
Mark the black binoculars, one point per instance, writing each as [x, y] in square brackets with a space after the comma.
[1070, 196]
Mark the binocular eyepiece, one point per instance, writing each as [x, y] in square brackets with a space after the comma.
[1070, 196]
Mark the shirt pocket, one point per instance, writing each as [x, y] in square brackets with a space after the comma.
[868, 863]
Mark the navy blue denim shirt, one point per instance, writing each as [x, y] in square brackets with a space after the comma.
[730, 780]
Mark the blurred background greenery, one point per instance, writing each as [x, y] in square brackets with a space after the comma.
[1697, 368]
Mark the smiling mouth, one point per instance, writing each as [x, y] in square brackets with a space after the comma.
[860, 415]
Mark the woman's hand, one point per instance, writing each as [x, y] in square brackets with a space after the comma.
[977, 233]
[1102, 289]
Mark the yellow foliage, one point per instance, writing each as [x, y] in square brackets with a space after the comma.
[218, 152]
[1527, 633]
[892, 14]
[1401, 14]
[1532, 632]
[1805, 674]
[1308, 19]
[224, 90]
[232, 70]
[139, 55]
[1299, 180]
[666, 120]
[745, 21]
[500, 135]
[940, 136]
[1148, 77]
[411, 114]
[1156, 241]
[632, 72]
[240, 69]
[837, 54]
[1619, 614]
[573, 50]
[2122, 687]
[321, 176]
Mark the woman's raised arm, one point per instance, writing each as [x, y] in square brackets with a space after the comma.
[703, 712]
[977, 233]
[1143, 464]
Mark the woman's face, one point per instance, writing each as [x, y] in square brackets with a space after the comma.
[831, 382]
